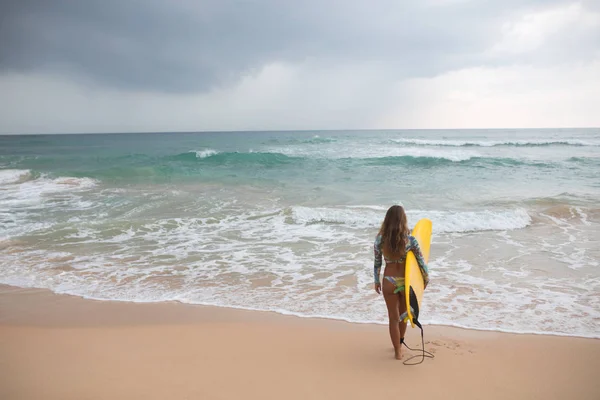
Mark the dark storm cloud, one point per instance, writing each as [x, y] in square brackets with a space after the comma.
[184, 46]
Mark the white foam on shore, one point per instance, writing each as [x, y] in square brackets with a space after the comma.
[172, 260]
[381, 321]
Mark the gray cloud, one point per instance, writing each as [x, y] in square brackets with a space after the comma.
[194, 46]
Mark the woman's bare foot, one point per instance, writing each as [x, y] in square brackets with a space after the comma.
[398, 354]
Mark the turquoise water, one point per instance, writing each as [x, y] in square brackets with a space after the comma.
[284, 221]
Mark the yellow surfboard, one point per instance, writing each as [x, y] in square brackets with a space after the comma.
[413, 279]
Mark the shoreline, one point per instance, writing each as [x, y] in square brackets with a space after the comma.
[285, 313]
[65, 347]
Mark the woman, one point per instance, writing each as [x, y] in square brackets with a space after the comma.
[393, 242]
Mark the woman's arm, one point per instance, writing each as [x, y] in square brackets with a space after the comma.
[377, 254]
[416, 249]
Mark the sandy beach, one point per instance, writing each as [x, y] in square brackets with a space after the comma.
[203, 200]
[64, 347]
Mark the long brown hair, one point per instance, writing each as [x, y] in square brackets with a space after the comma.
[394, 231]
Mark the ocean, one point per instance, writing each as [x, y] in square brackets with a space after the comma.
[285, 221]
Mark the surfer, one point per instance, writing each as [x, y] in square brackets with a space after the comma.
[392, 243]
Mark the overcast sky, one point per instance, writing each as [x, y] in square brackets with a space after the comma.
[189, 65]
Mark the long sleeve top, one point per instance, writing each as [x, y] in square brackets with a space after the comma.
[411, 245]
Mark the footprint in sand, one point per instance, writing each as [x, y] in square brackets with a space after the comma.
[456, 347]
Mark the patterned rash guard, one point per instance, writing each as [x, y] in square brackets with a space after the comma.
[412, 245]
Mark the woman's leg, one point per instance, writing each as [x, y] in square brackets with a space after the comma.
[402, 310]
[391, 301]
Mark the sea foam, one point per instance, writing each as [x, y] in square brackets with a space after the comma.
[11, 176]
[493, 143]
[443, 221]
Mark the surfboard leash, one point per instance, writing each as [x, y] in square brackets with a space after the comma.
[414, 308]
[425, 353]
